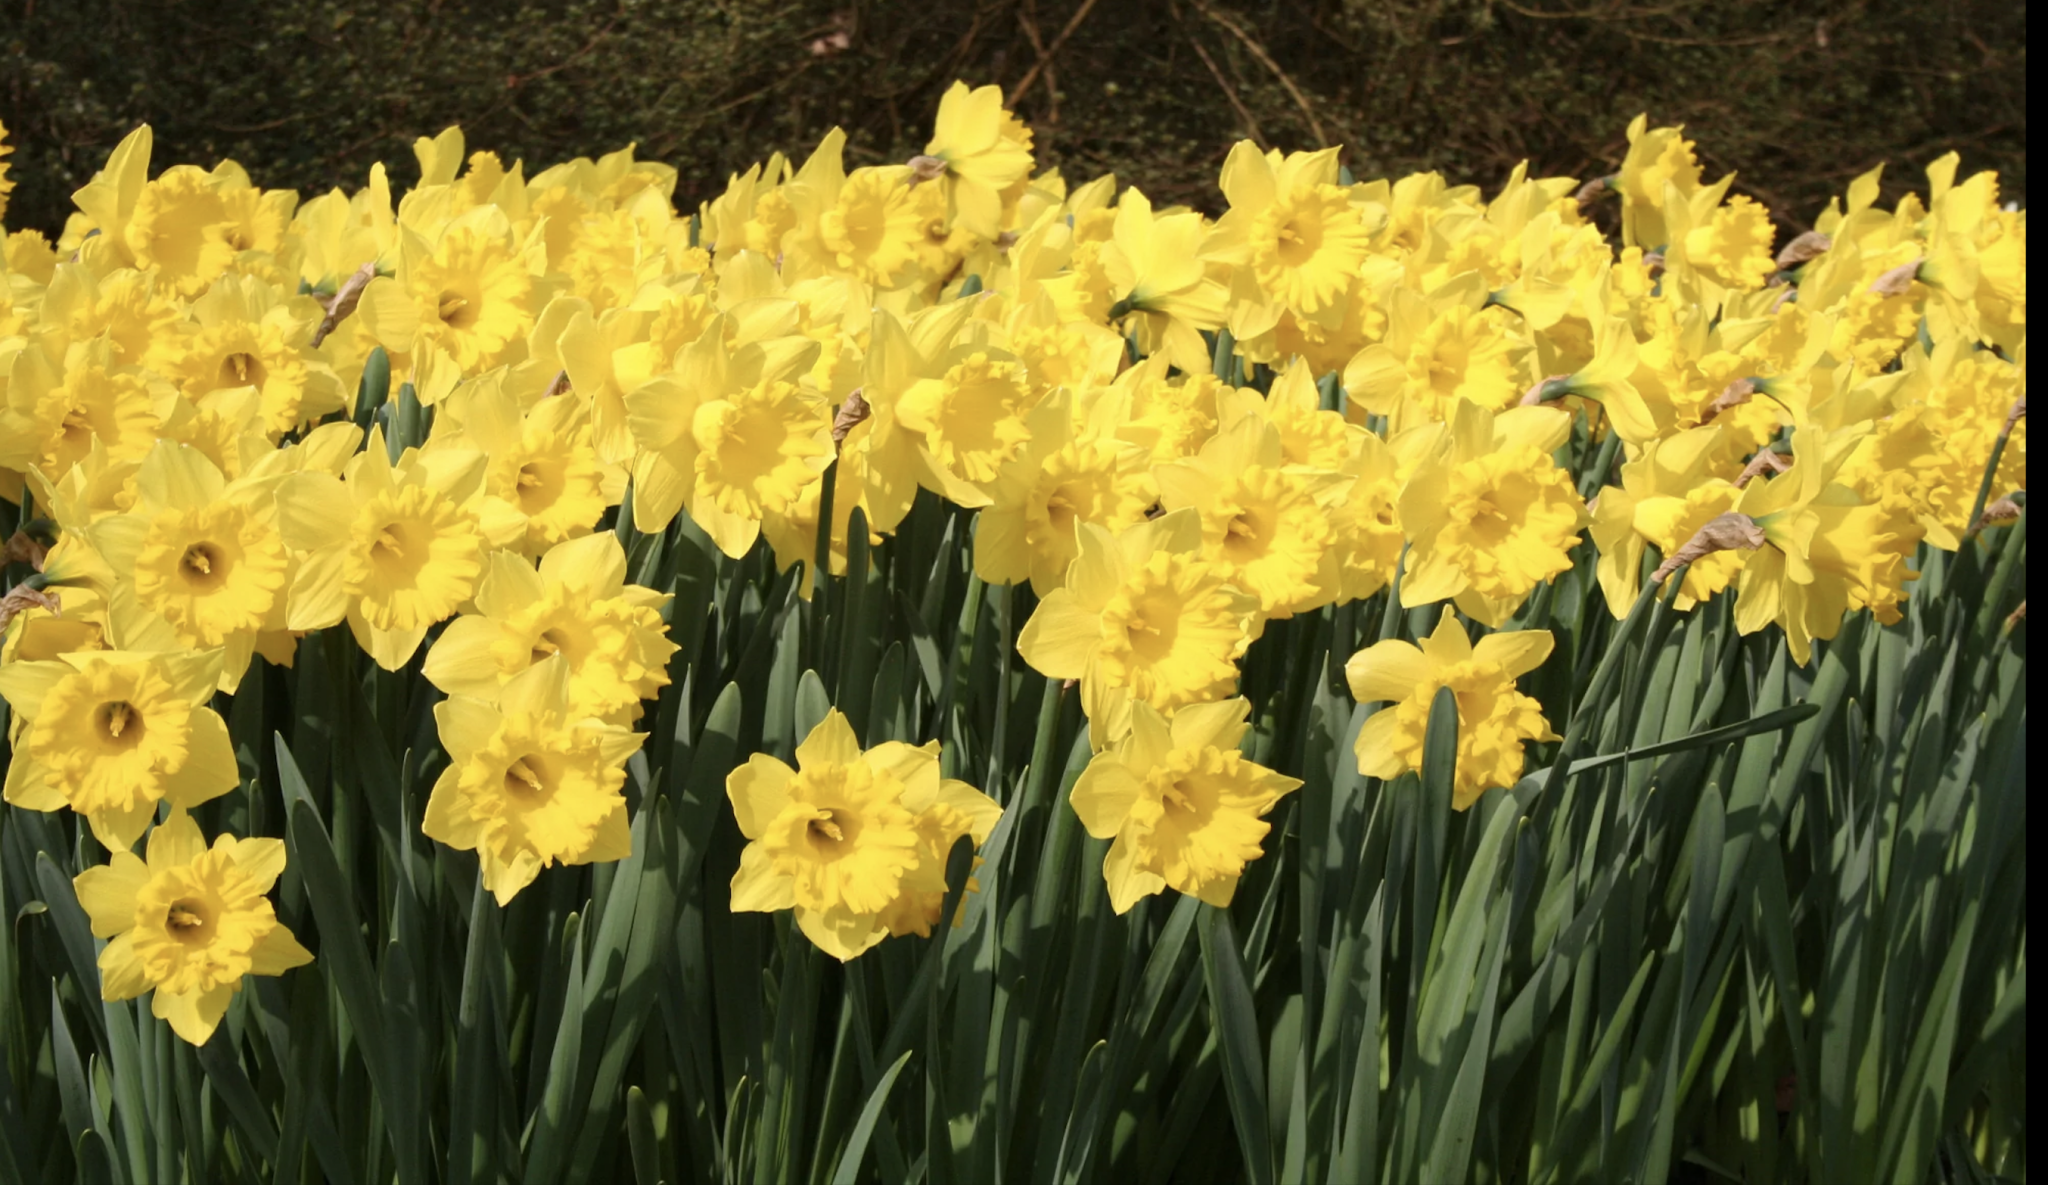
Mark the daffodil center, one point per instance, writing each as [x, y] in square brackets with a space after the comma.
[526, 779]
[120, 724]
[241, 370]
[550, 643]
[1243, 537]
[188, 920]
[456, 310]
[203, 565]
[393, 548]
[825, 829]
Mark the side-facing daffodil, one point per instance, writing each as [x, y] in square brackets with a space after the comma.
[1494, 720]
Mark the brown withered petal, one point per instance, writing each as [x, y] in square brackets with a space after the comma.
[1735, 394]
[1725, 532]
[850, 414]
[2004, 510]
[1769, 459]
[1810, 245]
[926, 168]
[24, 548]
[1590, 192]
[21, 597]
[1897, 280]
[344, 300]
[557, 385]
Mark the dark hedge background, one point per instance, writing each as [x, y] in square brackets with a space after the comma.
[1800, 95]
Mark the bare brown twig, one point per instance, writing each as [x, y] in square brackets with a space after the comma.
[1265, 59]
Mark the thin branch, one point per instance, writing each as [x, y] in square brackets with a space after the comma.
[1223, 84]
[1045, 56]
[1265, 59]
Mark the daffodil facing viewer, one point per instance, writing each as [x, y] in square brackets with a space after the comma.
[855, 842]
[189, 923]
[111, 733]
[1186, 809]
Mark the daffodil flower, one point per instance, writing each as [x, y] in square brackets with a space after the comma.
[391, 547]
[1143, 617]
[1185, 808]
[1160, 276]
[984, 150]
[111, 733]
[577, 606]
[209, 562]
[855, 842]
[1494, 720]
[1064, 477]
[1265, 524]
[530, 783]
[1489, 515]
[189, 923]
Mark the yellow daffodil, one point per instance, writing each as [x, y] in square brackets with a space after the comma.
[864, 224]
[733, 435]
[1169, 418]
[111, 733]
[1666, 495]
[1366, 524]
[855, 842]
[1265, 524]
[248, 335]
[58, 407]
[1186, 809]
[1143, 616]
[470, 294]
[1825, 551]
[1292, 225]
[579, 606]
[392, 548]
[543, 483]
[1433, 360]
[1658, 158]
[189, 923]
[180, 228]
[1062, 478]
[1494, 720]
[530, 783]
[1489, 515]
[1733, 246]
[984, 150]
[208, 558]
[1158, 276]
